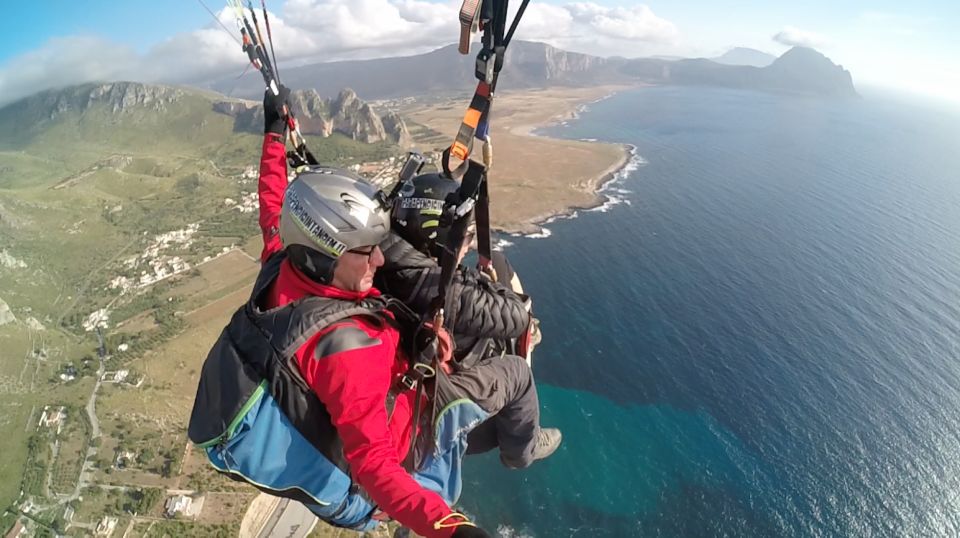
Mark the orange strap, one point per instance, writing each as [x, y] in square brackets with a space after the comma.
[463, 143]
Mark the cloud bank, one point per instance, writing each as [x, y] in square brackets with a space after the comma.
[308, 31]
[795, 37]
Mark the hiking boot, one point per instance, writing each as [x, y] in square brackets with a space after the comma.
[548, 440]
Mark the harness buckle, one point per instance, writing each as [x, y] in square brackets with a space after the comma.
[417, 372]
[485, 65]
[408, 382]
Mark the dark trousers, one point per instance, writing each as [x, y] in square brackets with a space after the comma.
[504, 388]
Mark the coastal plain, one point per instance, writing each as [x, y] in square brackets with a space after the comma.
[533, 177]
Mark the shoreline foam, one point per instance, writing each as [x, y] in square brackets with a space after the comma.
[605, 188]
[547, 175]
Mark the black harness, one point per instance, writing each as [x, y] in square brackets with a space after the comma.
[259, 346]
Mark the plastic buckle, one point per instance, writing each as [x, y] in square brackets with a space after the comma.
[408, 382]
[485, 65]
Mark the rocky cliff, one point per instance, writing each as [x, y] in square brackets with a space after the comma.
[119, 98]
[346, 114]
[537, 65]
[805, 70]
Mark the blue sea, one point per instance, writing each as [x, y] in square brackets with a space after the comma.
[759, 334]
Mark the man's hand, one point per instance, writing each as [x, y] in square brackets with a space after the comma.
[443, 342]
[275, 111]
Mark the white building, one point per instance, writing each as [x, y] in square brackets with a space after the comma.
[124, 457]
[106, 526]
[177, 504]
[182, 504]
[52, 417]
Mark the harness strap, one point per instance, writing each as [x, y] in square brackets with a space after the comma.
[468, 14]
[463, 143]
[494, 48]
[470, 190]
[484, 243]
[411, 462]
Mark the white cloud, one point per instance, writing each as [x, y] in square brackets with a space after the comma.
[64, 61]
[795, 37]
[382, 27]
[190, 56]
[637, 23]
[322, 30]
[597, 29]
[544, 22]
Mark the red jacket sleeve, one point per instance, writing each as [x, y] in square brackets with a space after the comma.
[270, 188]
[353, 386]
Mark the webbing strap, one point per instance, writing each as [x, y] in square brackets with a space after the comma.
[463, 143]
[468, 13]
[484, 246]
[411, 463]
[470, 189]
[477, 115]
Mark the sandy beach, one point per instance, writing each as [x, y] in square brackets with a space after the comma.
[533, 177]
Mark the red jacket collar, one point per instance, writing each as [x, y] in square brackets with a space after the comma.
[291, 285]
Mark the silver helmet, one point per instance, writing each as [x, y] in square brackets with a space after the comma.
[326, 212]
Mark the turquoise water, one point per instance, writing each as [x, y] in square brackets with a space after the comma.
[758, 337]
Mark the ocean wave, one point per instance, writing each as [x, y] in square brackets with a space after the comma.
[506, 531]
[612, 190]
[542, 234]
[611, 202]
[604, 98]
[500, 243]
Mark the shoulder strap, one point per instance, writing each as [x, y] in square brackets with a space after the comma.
[312, 314]
[289, 327]
[268, 273]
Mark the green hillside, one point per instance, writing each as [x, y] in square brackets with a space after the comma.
[85, 179]
[112, 197]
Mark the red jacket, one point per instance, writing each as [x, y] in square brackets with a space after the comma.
[353, 384]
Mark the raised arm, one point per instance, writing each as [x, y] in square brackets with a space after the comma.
[273, 171]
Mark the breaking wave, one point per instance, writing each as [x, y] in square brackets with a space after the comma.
[611, 193]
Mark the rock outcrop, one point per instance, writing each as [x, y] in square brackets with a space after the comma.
[6, 315]
[119, 97]
[346, 114]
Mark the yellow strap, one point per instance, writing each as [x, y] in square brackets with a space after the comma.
[440, 523]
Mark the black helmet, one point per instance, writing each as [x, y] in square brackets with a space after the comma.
[326, 212]
[416, 218]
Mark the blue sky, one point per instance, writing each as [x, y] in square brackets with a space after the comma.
[140, 24]
[912, 46]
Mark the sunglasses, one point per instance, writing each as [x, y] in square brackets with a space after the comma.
[367, 253]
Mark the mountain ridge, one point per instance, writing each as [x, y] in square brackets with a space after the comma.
[745, 56]
[346, 114]
[536, 65]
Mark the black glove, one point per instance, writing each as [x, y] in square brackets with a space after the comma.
[468, 531]
[274, 120]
